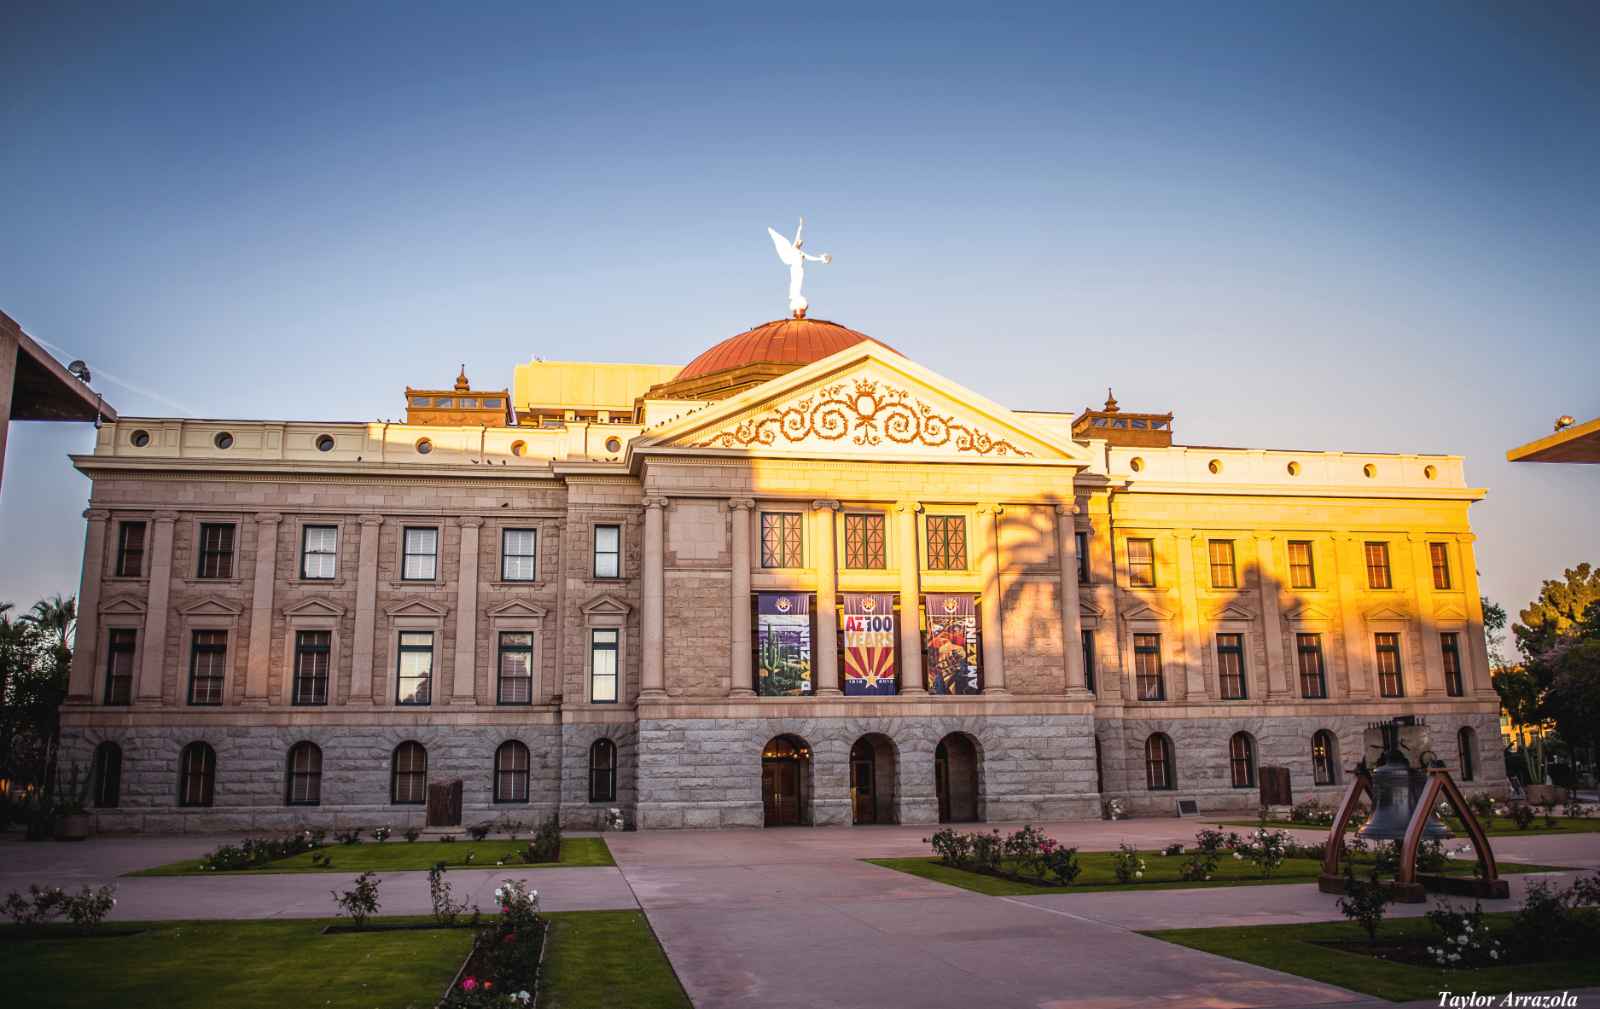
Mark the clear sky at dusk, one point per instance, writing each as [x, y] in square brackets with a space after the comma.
[1364, 226]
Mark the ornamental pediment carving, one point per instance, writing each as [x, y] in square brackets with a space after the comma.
[1146, 611]
[518, 609]
[1387, 614]
[314, 608]
[130, 605]
[605, 605]
[417, 608]
[1449, 611]
[212, 606]
[1232, 611]
[1088, 609]
[1307, 614]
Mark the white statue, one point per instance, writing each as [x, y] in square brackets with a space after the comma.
[790, 253]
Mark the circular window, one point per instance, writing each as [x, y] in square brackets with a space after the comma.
[1136, 464]
[1369, 471]
[1214, 465]
[518, 447]
[1294, 469]
[223, 440]
[424, 446]
[325, 443]
[613, 444]
[1429, 472]
[140, 438]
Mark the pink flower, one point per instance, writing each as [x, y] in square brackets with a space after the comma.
[469, 984]
[505, 908]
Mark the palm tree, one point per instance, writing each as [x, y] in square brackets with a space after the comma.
[56, 617]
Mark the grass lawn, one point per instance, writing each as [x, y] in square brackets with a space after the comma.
[1497, 826]
[398, 856]
[1293, 949]
[241, 965]
[606, 960]
[1161, 873]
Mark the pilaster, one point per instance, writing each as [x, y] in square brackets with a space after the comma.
[1431, 675]
[910, 559]
[1271, 583]
[366, 623]
[1071, 616]
[80, 688]
[153, 656]
[994, 653]
[653, 593]
[740, 681]
[1196, 684]
[465, 673]
[258, 662]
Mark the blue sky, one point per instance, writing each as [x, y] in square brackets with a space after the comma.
[1356, 226]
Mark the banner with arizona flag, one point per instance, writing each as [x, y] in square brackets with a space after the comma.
[869, 643]
[952, 644]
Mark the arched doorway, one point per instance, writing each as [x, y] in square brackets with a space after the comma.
[786, 782]
[955, 777]
[873, 767]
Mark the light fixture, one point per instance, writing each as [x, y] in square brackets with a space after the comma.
[80, 371]
[1562, 422]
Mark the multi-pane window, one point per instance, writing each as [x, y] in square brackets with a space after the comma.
[304, 786]
[1439, 554]
[319, 552]
[947, 543]
[1230, 666]
[608, 551]
[603, 665]
[119, 665]
[518, 553]
[1242, 760]
[414, 672]
[1223, 574]
[1388, 648]
[864, 538]
[197, 775]
[408, 775]
[1324, 758]
[1466, 747]
[1088, 660]
[1449, 646]
[1313, 674]
[603, 771]
[216, 550]
[1147, 667]
[421, 560]
[208, 662]
[1142, 563]
[1158, 774]
[311, 659]
[516, 667]
[1378, 566]
[1082, 541]
[511, 763]
[1302, 568]
[107, 775]
[130, 550]
[782, 541]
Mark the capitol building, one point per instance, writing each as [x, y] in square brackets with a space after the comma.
[799, 580]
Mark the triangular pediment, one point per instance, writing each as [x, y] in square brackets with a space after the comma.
[129, 605]
[1233, 611]
[605, 605]
[417, 608]
[1383, 613]
[211, 606]
[518, 609]
[1088, 609]
[314, 608]
[1146, 611]
[1306, 614]
[1449, 611]
[864, 402]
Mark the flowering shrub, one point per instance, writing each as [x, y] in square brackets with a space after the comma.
[1113, 809]
[85, 909]
[360, 903]
[546, 846]
[1127, 865]
[1266, 848]
[446, 910]
[479, 831]
[1311, 811]
[382, 833]
[1557, 924]
[953, 847]
[258, 851]
[1483, 806]
[412, 833]
[1211, 842]
[1522, 815]
[1060, 861]
[504, 963]
[614, 820]
[1365, 902]
[1465, 939]
[350, 836]
[1023, 846]
[1174, 848]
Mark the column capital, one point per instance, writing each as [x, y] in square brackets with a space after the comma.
[268, 518]
[96, 514]
[165, 516]
[655, 501]
[908, 506]
[1263, 534]
[990, 507]
[470, 521]
[826, 504]
[1416, 537]
[741, 504]
[1183, 534]
[1466, 537]
[1067, 509]
[372, 520]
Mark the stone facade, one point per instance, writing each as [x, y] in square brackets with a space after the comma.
[648, 553]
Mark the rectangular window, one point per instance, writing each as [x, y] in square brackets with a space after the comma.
[216, 551]
[1302, 569]
[119, 665]
[208, 661]
[1082, 539]
[864, 538]
[1449, 646]
[414, 672]
[421, 561]
[782, 540]
[1389, 681]
[1230, 666]
[608, 551]
[516, 667]
[1378, 566]
[130, 550]
[319, 552]
[311, 658]
[947, 543]
[1313, 675]
[518, 552]
[1088, 660]
[1147, 667]
[1142, 564]
[1440, 555]
[603, 665]
[1223, 575]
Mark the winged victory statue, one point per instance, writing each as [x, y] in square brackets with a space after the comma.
[795, 259]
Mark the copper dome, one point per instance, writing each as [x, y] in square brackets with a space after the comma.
[793, 342]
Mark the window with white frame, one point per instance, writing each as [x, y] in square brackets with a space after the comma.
[603, 664]
[516, 667]
[421, 561]
[608, 551]
[319, 552]
[414, 681]
[518, 554]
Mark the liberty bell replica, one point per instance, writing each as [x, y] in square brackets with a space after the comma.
[1396, 783]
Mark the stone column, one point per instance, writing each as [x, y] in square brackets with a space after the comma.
[1474, 677]
[910, 559]
[465, 678]
[1271, 583]
[1431, 676]
[259, 660]
[361, 650]
[1352, 629]
[80, 689]
[994, 652]
[1196, 684]
[653, 600]
[740, 681]
[826, 562]
[549, 689]
[153, 656]
[1071, 618]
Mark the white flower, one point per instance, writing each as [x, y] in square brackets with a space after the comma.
[1494, 953]
[1139, 875]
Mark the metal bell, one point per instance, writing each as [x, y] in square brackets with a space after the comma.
[1396, 786]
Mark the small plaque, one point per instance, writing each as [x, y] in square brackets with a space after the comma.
[1188, 807]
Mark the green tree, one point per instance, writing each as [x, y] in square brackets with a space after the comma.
[1561, 606]
[1522, 698]
[1494, 632]
[35, 656]
[1559, 634]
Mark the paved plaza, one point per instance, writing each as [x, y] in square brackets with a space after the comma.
[794, 917]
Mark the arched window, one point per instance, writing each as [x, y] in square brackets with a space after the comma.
[603, 771]
[408, 779]
[107, 775]
[197, 775]
[305, 775]
[1242, 760]
[1467, 744]
[1324, 758]
[511, 772]
[1158, 769]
